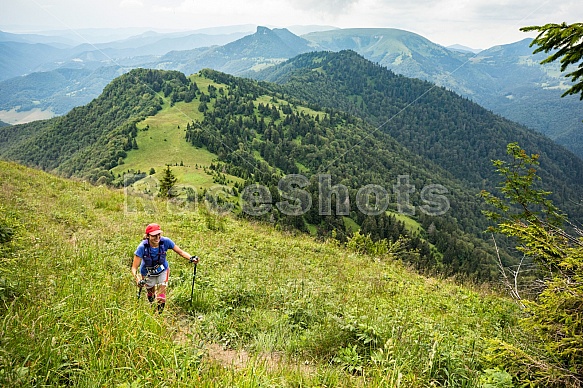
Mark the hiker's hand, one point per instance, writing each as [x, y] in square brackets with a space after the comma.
[193, 259]
[141, 283]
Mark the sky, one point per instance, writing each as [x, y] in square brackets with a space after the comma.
[472, 23]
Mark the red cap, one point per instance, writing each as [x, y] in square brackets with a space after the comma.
[153, 229]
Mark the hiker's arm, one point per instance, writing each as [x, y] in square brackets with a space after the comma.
[135, 265]
[184, 254]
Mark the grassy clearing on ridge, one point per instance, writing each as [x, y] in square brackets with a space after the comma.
[163, 143]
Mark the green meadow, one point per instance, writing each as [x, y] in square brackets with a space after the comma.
[269, 308]
[161, 142]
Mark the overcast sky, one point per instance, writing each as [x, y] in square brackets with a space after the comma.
[473, 23]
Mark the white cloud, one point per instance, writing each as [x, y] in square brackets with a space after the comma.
[474, 23]
[131, 4]
[330, 7]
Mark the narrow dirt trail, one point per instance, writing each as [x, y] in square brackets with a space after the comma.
[183, 333]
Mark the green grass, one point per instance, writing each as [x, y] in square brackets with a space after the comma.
[410, 224]
[350, 224]
[304, 313]
[163, 143]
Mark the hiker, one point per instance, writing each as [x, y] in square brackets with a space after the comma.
[150, 258]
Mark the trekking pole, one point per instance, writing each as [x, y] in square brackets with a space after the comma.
[193, 277]
[141, 285]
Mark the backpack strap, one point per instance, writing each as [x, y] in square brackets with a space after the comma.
[161, 251]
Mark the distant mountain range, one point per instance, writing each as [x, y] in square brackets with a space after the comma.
[464, 49]
[506, 79]
[250, 53]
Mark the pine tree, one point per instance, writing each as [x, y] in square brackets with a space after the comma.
[564, 42]
[167, 184]
[554, 316]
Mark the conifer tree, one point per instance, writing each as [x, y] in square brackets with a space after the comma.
[554, 316]
[167, 184]
[565, 41]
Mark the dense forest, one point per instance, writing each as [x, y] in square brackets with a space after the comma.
[457, 134]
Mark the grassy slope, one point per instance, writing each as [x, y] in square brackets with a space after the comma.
[70, 314]
[164, 144]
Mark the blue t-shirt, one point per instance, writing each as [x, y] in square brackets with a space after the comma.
[150, 255]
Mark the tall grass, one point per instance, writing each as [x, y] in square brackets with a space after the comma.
[304, 313]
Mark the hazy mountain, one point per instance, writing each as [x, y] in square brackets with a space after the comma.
[56, 41]
[18, 59]
[263, 48]
[463, 49]
[93, 35]
[227, 30]
[301, 30]
[154, 43]
[58, 90]
[517, 86]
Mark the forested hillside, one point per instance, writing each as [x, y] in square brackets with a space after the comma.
[312, 143]
[455, 133]
[92, 139]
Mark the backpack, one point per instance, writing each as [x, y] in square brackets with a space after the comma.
[157, 266]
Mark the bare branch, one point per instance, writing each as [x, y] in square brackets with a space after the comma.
[513, 289]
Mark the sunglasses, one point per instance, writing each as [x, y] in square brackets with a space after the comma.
[155, 235]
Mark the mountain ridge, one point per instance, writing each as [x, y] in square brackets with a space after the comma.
[473, 129]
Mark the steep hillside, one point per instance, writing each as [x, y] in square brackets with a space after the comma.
[268, 308]
[341, 158]
[257, 136]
